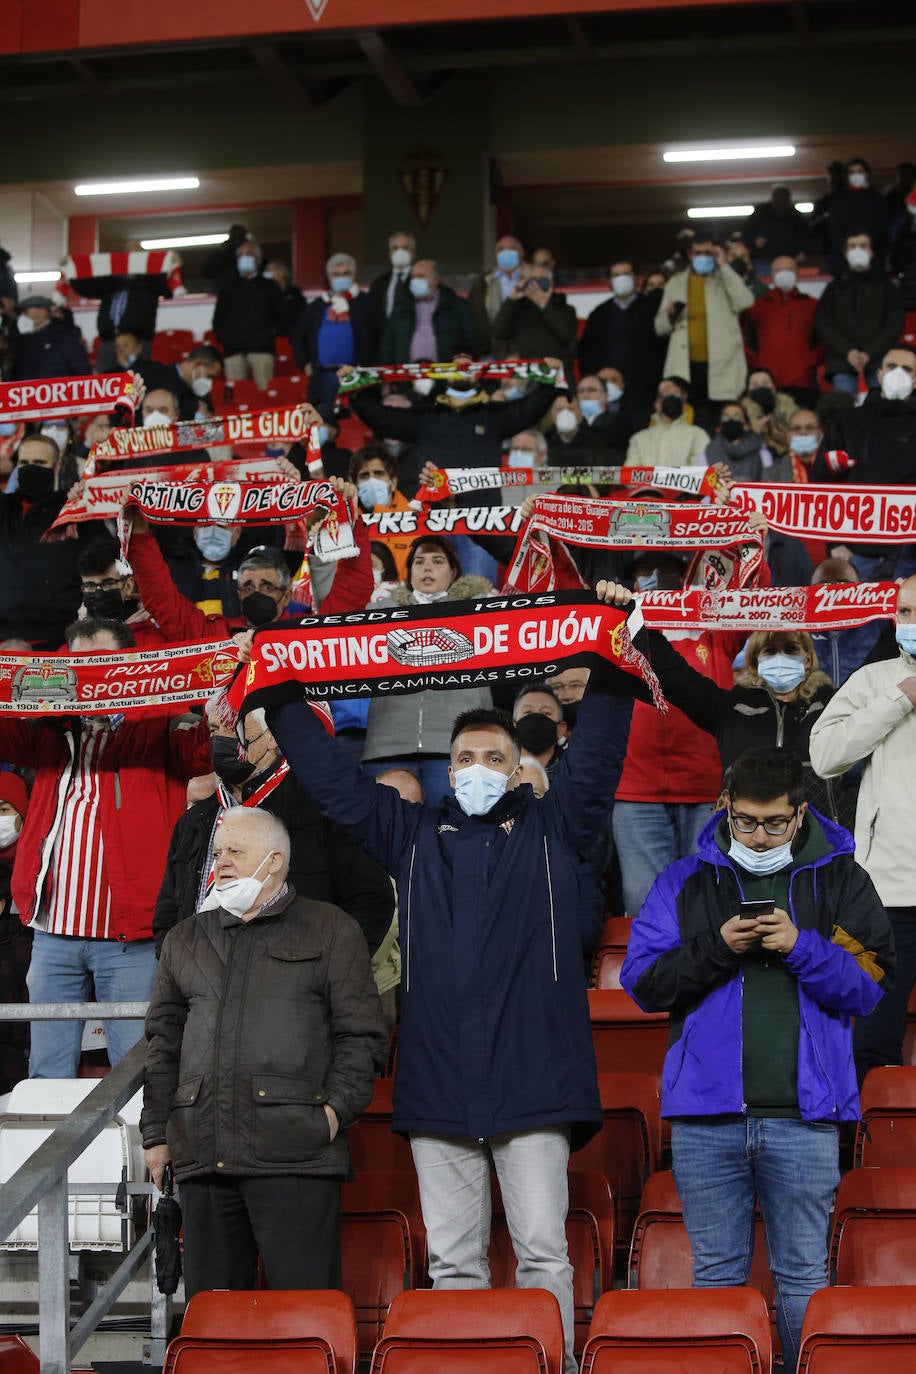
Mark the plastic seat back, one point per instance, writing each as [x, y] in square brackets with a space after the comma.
[627, 1148]
[275, 1315]
[373, 1144]
[305, 1355]
[726, 1330]
[625, 1037]
[887, 1131]
[472, 1331]
[859, 1330]
[874, 1228]
[382, 1247]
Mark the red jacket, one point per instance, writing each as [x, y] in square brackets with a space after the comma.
[785, 338]
[182, 622]
[145, 769]
[669, 759]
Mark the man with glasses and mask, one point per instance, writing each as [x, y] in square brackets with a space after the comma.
[191, 380]
[110, 593]
[762, 946]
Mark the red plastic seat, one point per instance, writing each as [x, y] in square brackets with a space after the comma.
[626, 1037]
[590, 1237]
[472, 1331]
[874, 1228]
[887, 1131]
[628, 1147]
[859, 1330]
[373, 1144]
[695, 1331]
[16, 1357]
[284, 391]
[383, 1247]
[244, 395]
[271, 1330]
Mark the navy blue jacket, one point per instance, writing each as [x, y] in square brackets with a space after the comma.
[495, 1032]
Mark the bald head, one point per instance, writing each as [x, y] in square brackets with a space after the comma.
[834, 570]
[404, 782]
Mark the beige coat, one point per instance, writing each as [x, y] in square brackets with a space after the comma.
[675, 445]
[726, 297]
[871, 719]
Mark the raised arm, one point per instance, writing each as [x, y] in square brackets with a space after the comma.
[856, 720]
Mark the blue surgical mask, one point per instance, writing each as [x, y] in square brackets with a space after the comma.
[507, 259]
[247, 262]
[906, 638]
[614, 392]
[590, 408]
[373, 492]
[782, 672]
[704, 263]
[419, 287]
[214, 542]
[514, 391]
[322, 435]
[341, 284]
[7, 429]
[761, 861]
[803, 443]
[463, 393]
[478, 788]
[648, 582]
[520, 458]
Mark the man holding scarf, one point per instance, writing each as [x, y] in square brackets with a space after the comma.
[340, 327]
[495, 1060]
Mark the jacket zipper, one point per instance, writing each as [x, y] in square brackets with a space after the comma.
[413, 855]
[47, 849]
[420, 726]
[553, 929]
[871, 834]
[780, 724]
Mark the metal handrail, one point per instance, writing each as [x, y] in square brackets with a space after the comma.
[42, 1181]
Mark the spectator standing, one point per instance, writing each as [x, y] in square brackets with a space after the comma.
[768, 411]
[107, 792]
[488, 292]
[871, 719]
[841, 652]
[781, 333]
[429, 322]
[758, 1074]
[774, 230]
[670, 440]
[805, 433]
[608, 422]
[539, 725]
[15, 938]
[293, 299]
[248, 316]
[858, 207]
[191, 380]
[698, 315]
[375, 475]
[620, 333]
[43, 347]
[737, 446]
[738, 257]
[264, 1182]
[128, 304]
[340, 327]
[393, 285]
[221, 265]
[536, 321]
[858, 317]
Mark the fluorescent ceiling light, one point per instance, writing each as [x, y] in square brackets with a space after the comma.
[185, 241]
[804, 207]
[720, 212]
[733, 153]
[123, 188]
[50, 275]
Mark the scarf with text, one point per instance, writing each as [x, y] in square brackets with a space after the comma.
[698, 482]
[840, 606]
[286, 424]
[812, 510]
[523, 370]
[60, 397]
[447, 646]
[102, 496]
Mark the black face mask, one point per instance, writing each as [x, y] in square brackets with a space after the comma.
[765, 397]
[673, 407]
[35, 482]
[258, 608]
[108, 605]
[224, 755]
[536, 733]
[571, 713]
[740, 266]
[732, 429]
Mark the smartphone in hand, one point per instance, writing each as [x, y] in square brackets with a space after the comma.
[749, 911]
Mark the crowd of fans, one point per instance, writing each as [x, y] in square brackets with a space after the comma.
[114, 830]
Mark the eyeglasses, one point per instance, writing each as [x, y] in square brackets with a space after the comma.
[773, 825]
[108, 584]
[269, 588]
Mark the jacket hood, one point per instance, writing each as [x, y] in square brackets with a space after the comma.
[462, 589]
[838, 838]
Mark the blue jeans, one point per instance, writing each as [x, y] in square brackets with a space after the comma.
[66, 968]
[649, 836]
[792, 1167]
[849, 381]
[454, 1178]
[433, 773]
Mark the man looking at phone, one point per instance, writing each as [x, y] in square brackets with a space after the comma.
[763, 945]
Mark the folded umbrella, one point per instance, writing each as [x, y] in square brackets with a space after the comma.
[167, 1226]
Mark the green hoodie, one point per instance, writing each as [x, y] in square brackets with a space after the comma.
[769, 1015]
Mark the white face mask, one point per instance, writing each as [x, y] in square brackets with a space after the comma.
[58, 435]
[858, 180]
[520, 458]
[478, 788]
[156, 417]
[423, 386]
[623, 285]
[237, 895]
[25, 324]
[202, 386]
[614, 392]
[785, 279]
[400, 258]
[566, 422]
[8, 832]
[897, 384]
[858, 258]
